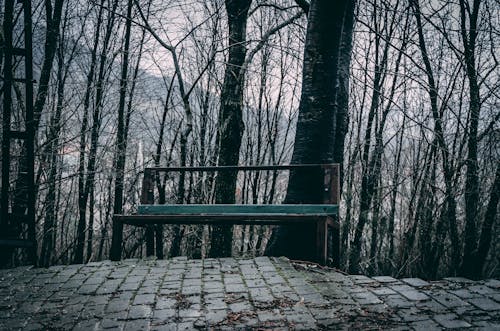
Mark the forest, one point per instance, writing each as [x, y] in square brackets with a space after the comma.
[404, 94]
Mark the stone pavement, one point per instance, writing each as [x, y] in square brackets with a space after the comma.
[228, 294]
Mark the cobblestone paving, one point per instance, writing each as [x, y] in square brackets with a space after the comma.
[229, 294]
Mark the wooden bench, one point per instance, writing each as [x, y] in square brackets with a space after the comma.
[324, 216]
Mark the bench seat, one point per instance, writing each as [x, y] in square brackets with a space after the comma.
[229, 214]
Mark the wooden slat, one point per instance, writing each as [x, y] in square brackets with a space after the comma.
[215, 219]
[240, 210]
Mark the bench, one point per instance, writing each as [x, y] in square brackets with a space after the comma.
[324, 216]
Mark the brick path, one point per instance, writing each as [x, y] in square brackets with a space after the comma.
[228, 294]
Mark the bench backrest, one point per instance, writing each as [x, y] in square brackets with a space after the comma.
[330, 172]
[311, 209]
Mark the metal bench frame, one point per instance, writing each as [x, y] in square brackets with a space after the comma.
[323, 215]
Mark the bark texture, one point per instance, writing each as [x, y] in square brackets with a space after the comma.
[317, 134]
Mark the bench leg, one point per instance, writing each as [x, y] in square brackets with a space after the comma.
[150, 240]
[322, 242]
[159, 240]
[334, 227]
[116, 242]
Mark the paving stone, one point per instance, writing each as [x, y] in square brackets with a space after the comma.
[239, 307]
[279, 288]
[233, 279]
[493, 283]
[361, 279]
[190, 313]
[215, 316]
[300, 318]
[464, 293]
[85, 325]
[274, 279]
[88, 289]
[129, 286]
[416, 282]
[164, 315]
[485, 304]
[412, 314]
[189, 290]
[366, 298]
[314, 299]
[447, 299]
[163, 302]
[215, 303]
[261, 294]
[304, 289]
[116, 305]
[144, 299]
[136, 325]
[410, 293]
[450, 321]
[111, 323]
[482, 289]
[269, 315]
[487, 325]
[291, 296]
[171, 285]
[397, 301]
[355, 289]
[213, 284]
[385, 279]
[323, 313]
[255, 283]
[235, 288]
[431, 306]
[495, 297]
[382, 291]
[192, 282]
[140, 311]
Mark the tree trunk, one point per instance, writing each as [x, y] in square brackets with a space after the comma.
[315, 139]
[471, 179]
[489, 220]
[121, 134]
[230, 119]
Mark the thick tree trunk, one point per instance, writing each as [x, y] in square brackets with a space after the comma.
[317, 130]
[471, 179]
[230, 119]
